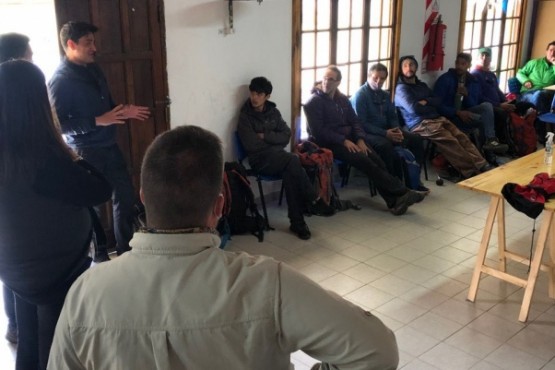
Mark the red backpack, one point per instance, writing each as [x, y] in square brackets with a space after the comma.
[321, 160]
[523, 132]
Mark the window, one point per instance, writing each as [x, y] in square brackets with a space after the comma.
[497, 24]
[351, 34]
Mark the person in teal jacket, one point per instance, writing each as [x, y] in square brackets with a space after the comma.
[535, 76]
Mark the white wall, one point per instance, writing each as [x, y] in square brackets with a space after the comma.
[412, 33]
[209, 73]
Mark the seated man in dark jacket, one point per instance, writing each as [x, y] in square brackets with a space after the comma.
[379, 119]
[333, 124]
[419, 107]
[491, 93]
[264, 134]
[460, 103]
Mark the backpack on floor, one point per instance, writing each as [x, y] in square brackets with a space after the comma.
[318, 164]
[411, 169]
[523, 132]
[240, 214]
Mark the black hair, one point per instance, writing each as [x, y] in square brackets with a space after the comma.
[465, 56]
[73, 31]
[13, 46]
[405, 57]
[28, 132]
[181, 177]
[552, 43]
[261, 85]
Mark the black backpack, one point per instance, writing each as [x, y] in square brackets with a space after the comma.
[240, 214]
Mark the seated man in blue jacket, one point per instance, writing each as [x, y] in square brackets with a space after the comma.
[333, 124]
[419, 107]
[460, 93]
[491, 93]
[379, 119]
[264, 134]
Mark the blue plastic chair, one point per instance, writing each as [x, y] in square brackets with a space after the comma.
[241, 156]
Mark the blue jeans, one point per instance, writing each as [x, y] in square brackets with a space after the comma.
[110, 162]
[542, 99]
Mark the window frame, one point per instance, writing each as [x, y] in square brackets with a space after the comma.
[296, 78]
[502, 46]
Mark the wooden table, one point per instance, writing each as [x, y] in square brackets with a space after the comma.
[520, 171]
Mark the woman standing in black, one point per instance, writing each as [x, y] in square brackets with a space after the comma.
[45, 226]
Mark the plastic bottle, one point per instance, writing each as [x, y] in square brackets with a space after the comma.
[548, 157]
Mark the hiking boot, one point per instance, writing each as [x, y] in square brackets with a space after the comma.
[301, 229]
[487, 167]
[11, 335]
[406, 200]
[121, 251]
[493, 145]
[320, 208]
[101, 256]
[421, 188]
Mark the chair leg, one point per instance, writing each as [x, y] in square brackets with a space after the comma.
[427, 154]
[345, 174]
[372, 187]
[263, 201]
[281, 193]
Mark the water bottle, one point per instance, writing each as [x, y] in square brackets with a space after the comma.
[548, 156]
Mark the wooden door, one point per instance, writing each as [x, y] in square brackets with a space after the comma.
[131, 52]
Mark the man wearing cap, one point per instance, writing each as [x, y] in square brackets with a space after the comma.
[535, 76]
[459, 92]
[418, 106]
[490, 91]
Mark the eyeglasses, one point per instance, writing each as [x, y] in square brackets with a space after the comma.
[330, 79]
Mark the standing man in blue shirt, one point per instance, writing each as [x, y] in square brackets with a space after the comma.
[379, 119]
[89, 119]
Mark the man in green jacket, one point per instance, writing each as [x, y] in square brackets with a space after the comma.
[535, 76]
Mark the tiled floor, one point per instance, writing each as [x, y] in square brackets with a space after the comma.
[413, 272]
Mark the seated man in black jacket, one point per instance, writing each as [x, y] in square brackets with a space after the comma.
[264, 134]
[334, 124]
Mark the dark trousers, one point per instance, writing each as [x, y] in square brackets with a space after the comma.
[9, 307]
[110, 162]
[389, 186]
[298, 189]
[384, 147]
[35, 332]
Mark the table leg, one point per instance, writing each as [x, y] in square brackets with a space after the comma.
[482, 252]
[535, 266]
[551, 272]
[501, 241]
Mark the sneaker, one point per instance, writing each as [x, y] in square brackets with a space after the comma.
[301, 229]
[320, 208]
[493, 144]
[11, 335]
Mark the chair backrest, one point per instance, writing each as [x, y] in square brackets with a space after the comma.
[239, 148]
[402, 122]
[514, 85]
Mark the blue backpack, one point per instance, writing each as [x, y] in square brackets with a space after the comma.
[411, 169]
